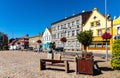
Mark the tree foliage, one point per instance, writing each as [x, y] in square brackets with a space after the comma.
[115, 61]
[85, 38]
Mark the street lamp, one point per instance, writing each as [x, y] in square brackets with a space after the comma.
[106, 29]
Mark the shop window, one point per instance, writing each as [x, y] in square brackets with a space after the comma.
[92, 45]
[104, 44]
[99, 44]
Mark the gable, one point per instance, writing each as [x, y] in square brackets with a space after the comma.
[96, 16]
[116, 21]
[47, 32]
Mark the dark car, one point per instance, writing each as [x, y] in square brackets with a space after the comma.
[59, 49]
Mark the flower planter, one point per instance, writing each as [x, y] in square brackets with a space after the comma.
[85, 65]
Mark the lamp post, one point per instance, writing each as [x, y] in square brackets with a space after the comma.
[63, 39]
[106, 29]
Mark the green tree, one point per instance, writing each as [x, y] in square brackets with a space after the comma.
[115, 61]
[85, 38]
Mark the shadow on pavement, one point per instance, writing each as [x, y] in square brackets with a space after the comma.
[70, 71]
[106, 69]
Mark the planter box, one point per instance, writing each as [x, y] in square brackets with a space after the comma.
[85, 66]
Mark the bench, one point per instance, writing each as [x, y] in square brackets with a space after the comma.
[50, 62]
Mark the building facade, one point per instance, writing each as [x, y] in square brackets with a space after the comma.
[46, 38]
[116, 28]
[69, 28]
[1, 38]
[3, 41]
[33, 41]
[19, 43]
[97, 23]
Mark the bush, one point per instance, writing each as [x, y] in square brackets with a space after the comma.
[115, 61]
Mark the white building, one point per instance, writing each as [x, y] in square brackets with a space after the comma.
[46, 38]
[69, 28]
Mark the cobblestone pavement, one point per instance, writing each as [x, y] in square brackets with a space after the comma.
[21, 64]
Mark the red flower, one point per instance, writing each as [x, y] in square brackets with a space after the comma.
[63, 39]
[26, 42]
[106, 36]
[39, 41]
[18, 43]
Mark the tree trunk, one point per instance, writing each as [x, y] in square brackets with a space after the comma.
[85, 51]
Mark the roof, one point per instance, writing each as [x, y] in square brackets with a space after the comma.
[50, 30]
[85, 16]
[39, 35]
[116, 21]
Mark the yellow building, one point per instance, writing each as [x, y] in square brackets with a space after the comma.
[33, 41]
[97, 23]
[116, 28]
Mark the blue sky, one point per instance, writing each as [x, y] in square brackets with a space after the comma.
[21, 17]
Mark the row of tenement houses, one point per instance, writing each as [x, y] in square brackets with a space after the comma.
[69, 27]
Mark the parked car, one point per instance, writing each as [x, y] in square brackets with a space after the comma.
[38, 50]
[59, 49]
[30, 48]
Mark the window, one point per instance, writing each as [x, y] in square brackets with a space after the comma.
[77, 43]
[58, 27]
[108, 30]
[68, 33]
[99, 32]
[68, 43]
[68, 25]
[61, 27]
[77, 31]
[78, 26]
[73, 33]
[58, 35]
[73, 23]
[64, 26]
[92, 45]
[97, 23]
[92, 24]
[77, 22]
[99, 44]
[118, 30]
[1, 38]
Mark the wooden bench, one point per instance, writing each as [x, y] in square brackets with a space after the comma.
[50, 62]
